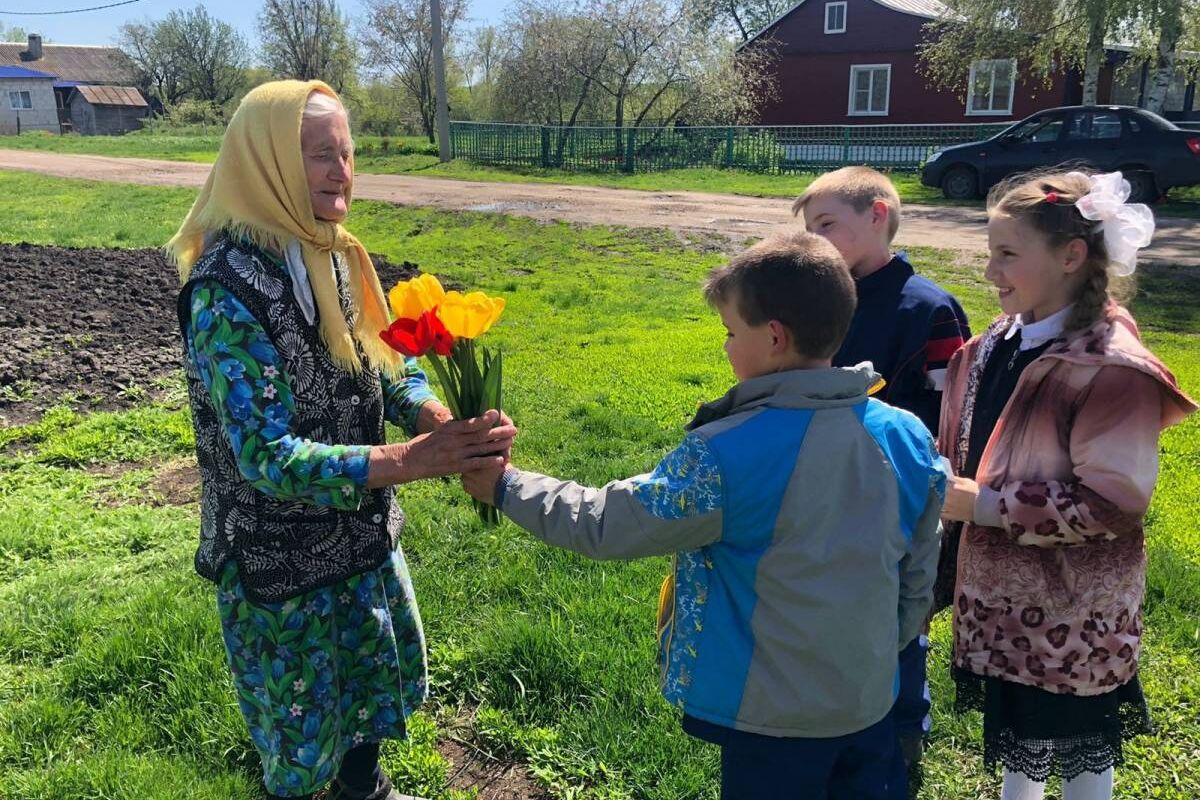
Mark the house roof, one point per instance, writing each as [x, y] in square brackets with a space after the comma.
[71, 62]
[929, 9]
[22, 72]
[112, 96]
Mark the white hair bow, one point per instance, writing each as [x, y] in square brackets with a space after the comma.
[1127, 227]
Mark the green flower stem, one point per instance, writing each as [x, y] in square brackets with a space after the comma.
[470, 391]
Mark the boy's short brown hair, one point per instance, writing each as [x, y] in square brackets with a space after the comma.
[800, 280]
[858, 187]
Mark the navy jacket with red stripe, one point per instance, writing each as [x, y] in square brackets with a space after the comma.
[908, 327]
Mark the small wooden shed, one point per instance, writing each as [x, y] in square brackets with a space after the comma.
[107, 110]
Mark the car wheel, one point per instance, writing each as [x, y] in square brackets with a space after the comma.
[1142, 187]
[959, 183]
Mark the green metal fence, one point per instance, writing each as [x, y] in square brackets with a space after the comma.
[778, 149]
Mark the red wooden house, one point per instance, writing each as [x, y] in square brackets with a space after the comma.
[855, 62]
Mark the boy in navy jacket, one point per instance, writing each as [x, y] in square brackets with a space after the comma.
[907, 327]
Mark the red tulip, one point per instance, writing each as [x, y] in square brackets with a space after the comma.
[443, 340]
[416, 337]
[401, 336]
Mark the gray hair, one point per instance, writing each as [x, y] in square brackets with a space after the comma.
[322, 105]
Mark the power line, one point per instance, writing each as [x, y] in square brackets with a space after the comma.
[69, 11]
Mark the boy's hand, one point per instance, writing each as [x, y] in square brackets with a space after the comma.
[434, 415]
[961, 494]
[481, 484]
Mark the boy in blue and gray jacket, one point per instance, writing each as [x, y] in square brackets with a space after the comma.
[803, 518]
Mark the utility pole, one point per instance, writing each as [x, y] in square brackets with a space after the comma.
[442, 111]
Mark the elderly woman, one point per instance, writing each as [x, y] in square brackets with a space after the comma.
[290, 386]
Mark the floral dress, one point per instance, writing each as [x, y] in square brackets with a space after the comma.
[318, 674]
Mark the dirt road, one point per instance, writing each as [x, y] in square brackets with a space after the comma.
[1177, 240]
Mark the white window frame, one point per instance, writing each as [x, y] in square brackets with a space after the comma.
[887, 99]
[828, 6]
[16, 98]
[1012, 88]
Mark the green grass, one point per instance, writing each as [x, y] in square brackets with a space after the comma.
[202, 148]
[103, 215]
[112, 674]
[187, 146]
[415, 156]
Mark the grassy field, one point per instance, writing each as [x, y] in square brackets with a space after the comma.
[112, 676]
[192, 145]
[414, 155]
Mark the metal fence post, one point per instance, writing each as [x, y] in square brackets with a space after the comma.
[545, 147]
[629, 150]
[845, 144]
[728, 147]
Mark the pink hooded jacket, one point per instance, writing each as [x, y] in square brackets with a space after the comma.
[1051, 575]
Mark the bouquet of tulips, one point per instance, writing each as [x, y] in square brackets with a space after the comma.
[429, 321]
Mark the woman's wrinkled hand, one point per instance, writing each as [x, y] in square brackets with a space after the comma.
[506, 421]
[455, 447]
[961, 494]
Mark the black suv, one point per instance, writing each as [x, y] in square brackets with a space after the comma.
[1153, 153]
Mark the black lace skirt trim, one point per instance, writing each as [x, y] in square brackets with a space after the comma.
[1040, 733]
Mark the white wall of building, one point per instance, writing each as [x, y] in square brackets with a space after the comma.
[44, 114]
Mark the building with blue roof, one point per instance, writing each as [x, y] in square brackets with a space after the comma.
[67, 87]
[27, 100]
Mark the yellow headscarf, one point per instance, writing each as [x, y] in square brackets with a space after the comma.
[258, 189]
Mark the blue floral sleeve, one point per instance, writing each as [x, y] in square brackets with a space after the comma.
[404, 397]
[686, 483]
[677, 507]
[252, 396]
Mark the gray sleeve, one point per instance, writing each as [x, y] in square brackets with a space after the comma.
[612, 522]
[918, 569]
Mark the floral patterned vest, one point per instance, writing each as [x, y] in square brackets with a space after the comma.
[284, 548]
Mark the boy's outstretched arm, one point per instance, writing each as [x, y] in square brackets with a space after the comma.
[918, 568]
[676, 507]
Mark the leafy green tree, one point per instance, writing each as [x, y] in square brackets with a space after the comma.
[1042, 35]
[307, 39]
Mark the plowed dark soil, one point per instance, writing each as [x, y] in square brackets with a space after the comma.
[95, 327]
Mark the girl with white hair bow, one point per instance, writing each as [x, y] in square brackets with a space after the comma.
[1051, 419]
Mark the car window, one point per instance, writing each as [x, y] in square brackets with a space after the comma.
[1038, 129]
[1153, 120]
[1094, 125]
[1106, 125]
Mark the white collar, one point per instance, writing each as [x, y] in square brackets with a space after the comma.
[1036, 334]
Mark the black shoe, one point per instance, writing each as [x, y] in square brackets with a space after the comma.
[382, 791]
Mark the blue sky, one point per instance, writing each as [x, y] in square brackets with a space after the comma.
[100, 27]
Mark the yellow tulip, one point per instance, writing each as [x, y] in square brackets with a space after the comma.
[469, 316]
[411, 299]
